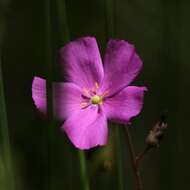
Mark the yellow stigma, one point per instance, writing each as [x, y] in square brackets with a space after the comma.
[96, 99]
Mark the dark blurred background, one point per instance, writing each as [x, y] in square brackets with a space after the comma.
[160, 31]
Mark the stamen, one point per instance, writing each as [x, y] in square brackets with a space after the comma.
[84, 105]
[93, 91]
[93, 96]
[105, 93]
[97, 85]
[86, 92]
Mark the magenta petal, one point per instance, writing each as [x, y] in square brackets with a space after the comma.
[121, 65]
[125, 105]
[82, 63]
[66, 99]
[87, 128]
[39, 94]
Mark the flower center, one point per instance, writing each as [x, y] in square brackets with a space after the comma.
[96, 99]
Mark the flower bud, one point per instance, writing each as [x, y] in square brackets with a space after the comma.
[157, 132]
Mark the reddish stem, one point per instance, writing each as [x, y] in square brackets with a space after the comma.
[138, 180]
[141, 156]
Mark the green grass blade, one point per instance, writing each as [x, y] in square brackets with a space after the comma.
[5, 142]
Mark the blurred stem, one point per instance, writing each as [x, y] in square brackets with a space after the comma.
[110, 7]
[119, 157]
[49, 62]
[62, 21]
[110, 18]
[5, 142]
[138, 180]
[49, 55]
[83, 170]
[64, 38]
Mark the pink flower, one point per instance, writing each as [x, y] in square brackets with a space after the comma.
[93, 92]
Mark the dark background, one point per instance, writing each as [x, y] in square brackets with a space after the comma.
[160, 31]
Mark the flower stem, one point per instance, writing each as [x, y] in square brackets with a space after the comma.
[138, 180]
[64, 38]
[83, 170]
[5, 142]
[119, 157]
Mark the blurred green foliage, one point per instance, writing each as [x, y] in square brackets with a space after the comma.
[160, 31]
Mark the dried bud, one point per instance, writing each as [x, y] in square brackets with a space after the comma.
[157, 132]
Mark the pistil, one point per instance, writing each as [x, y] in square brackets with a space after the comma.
[96, 99]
